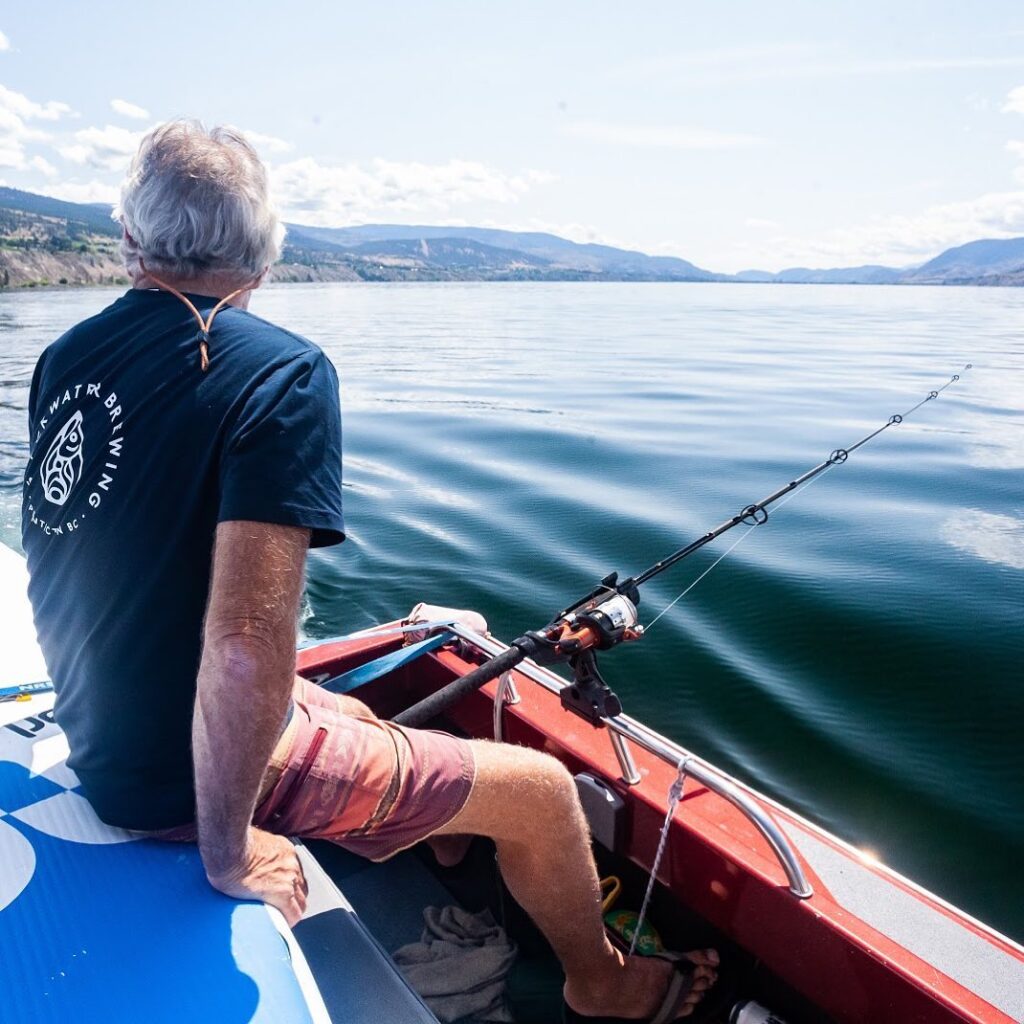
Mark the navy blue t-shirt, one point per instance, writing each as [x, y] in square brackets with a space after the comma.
[135, 456]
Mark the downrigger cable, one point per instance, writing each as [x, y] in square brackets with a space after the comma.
[607, 616]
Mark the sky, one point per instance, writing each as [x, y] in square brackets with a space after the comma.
[736, 134]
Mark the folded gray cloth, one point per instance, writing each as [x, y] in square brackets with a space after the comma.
[459, 965]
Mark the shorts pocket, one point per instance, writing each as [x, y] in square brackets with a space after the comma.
[301, 774]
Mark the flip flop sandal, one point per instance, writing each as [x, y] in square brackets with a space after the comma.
[675, 996]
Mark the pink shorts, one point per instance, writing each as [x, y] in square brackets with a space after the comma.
[370, 786]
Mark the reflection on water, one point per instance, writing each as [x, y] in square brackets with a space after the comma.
[507, 445]
[996, 538]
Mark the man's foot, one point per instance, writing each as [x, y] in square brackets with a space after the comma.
[638, 989]
[449, 850]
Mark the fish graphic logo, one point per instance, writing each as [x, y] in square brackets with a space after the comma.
[62, 466]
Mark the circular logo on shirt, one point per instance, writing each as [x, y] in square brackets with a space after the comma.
[78, 430]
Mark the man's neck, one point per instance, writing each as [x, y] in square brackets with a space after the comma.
[214, 286]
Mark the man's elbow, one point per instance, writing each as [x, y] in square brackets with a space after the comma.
[248, 649]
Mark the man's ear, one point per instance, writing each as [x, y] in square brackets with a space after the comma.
[133, 261]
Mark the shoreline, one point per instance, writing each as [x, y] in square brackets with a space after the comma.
[125, 282]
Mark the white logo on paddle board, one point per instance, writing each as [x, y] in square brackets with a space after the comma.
[62, 465]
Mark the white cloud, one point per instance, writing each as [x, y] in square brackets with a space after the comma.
[41, 164]
[333, 194]
[108, 148]
[1015, 101]
[1016, 147]
[11, 154]
[84, 192]
[5, 43]
[537, 177]
[659, 136]
[902, 240]
[906, 239]
[14, 133]
[15, 127]
[1015, 105]
[126, 109]
[19, 104]
[268, 143]
[16, 110]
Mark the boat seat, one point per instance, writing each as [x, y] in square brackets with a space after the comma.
[358, 980]
[389, 896]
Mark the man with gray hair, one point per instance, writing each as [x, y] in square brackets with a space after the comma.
[184, 455]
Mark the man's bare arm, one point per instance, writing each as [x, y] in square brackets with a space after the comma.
[245, 683]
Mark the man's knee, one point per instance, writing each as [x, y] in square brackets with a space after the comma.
[545, 784]
[554, 775]
[519, 795]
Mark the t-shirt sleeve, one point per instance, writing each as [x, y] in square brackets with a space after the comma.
[281, 461]
[33, 398]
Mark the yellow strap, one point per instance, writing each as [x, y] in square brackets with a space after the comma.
[204, 325]
[614, 886]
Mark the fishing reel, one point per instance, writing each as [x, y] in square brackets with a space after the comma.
[603, 619]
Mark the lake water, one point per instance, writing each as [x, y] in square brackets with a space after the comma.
[859, 658]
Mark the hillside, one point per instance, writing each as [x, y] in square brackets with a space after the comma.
[438, 258]
[45, 241]
[569, 260]
[871, 274]
[993, 261]
[990, 260]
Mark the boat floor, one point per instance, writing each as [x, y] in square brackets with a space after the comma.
[390, 898]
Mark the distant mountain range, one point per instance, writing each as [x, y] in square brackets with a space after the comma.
[422, 250]
[46, 241]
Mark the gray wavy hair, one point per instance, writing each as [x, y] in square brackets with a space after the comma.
[196, 203]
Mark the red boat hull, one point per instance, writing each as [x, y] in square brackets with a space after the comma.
[867, 946]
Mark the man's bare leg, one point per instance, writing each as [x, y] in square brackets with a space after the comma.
[449, 850]
[527, 803]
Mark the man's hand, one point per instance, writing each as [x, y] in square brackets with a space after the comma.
[271, 872]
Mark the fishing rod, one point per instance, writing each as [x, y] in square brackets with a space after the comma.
[608, 615]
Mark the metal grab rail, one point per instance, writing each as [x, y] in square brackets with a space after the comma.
[622, 728]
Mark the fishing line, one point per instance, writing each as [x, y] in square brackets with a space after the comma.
[732, 547]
